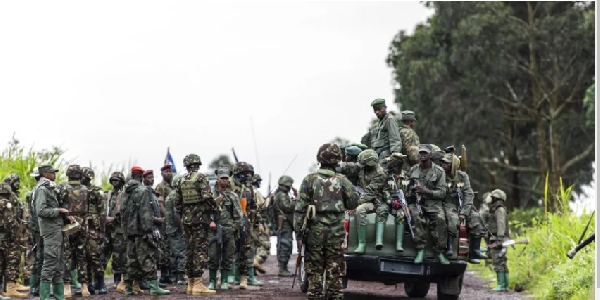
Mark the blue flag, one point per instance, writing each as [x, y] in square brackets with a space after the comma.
[169, 161]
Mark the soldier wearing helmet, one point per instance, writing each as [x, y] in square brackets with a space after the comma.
[8, 228]
[284, 216]
[327, 194]
[498, 225]
[174, 231]
[196, 205]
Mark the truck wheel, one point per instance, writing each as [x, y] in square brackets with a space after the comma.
[303, 279]
[345, 282]
[443, 296]
[416, 289]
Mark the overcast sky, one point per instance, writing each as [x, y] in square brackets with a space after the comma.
[115, 81]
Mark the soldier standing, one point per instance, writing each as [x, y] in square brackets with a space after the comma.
[385, 136]
[284, 208]
[324, 235]
[230, 219]
[163, 258]
[498, 225]
[174, 230]
[137, 220]
[8, 227]
[196, 206]
[50, 216]
[162, 190]
[38, 250]
[428, 189]
[263, 242]
[410, 139]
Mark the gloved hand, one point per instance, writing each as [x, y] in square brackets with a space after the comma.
[423, 190]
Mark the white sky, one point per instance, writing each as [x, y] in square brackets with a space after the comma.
[115, 81]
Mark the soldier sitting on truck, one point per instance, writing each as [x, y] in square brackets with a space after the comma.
[397, 177]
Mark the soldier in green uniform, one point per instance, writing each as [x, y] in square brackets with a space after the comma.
[385, 135]
[319, 217]
[410, 139]
[395, 163]
[162, 190]
[175, 235]
[284, 209]
[195, 204]
[427, 184]
[51, 220]
[352, 153]
[8, 228]
[498, 225]
[38, 250]
[230, 219]
[13, 260]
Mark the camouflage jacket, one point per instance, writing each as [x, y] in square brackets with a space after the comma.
[197, 213]
[386, 139]
[284, 206]
[9, 225]
[111, 199]
[170, 215]
[252, 206]
[460, 181]
[434, 180]
[498, 221]
[97, 208]
[410, 146]
[163, 189]
[332, 194]
[229, 206]
[136, 209]
[373, 182]
[351, 170]
[50, 221]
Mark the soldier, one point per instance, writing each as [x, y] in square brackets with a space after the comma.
[436, 154]
[428, 189]
[163, 257]
[371, 177]
[50, 216]
[195, 204]
[230, 220]
[95, 232]
[459, 180]
[352, 153]
[162, 190]
[13, 260]
[263, 242]
[8, 227]
[136, 217]
[284, 208]
[498, 226]
[410, 139]
[395, 163]
[385, 137]
[38, 248]
[323, 237]
[174, 231]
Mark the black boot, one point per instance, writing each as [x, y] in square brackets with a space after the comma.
[144, 285]
[170, 277]
[100, 286]
[164, 274]
[449, 246]
[117, 279]
[91, 285]
[474, 251]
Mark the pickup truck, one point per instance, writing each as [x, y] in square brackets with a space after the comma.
[390, 267]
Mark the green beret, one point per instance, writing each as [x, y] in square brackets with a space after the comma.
[353, 150]
[378, 103]
[362, 147]
[408, 115]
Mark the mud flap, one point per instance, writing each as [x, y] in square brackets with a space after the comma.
[450, 285]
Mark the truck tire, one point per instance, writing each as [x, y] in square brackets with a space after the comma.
[416, 289]
[443, 296]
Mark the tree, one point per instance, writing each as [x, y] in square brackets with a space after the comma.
[589, 102]
[221, 160]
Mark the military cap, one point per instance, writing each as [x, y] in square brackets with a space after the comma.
[353, 150]
[166, 167]
[447, 158]
[148, 172]
[47, 169]
[425, 148]
[36, 172]
[362, 147]
[379, 102]
[137, 169]
[408, 115]
[223, 172]
[396, 157]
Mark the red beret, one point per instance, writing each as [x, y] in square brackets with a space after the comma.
[166, 167]
[148, 172]
[137, 169]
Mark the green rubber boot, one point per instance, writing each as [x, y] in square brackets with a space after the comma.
[224, 276]
[236, 275]
[442, 258]
[58, 289]
[212, 279]
[506, 281]
[379, 235]
[155, 289]
[251, 280]
[420, 256]
[500, 286]
[399, 237]
[362, 239]
[231, 277]
[45, 290]
[129, 289]
[74, 283]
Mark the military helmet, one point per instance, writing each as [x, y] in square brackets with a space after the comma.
[330, 154]
[498, 194]
[12, 178]
[285, 180]
[74, 171]
[176, 179]
[256, 178]
[117, 176]
[191, 159]
[5, 188]
[88, 173]
[368, 158]
[242, 167]
[223, 170]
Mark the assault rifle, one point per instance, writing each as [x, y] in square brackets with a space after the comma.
[311, 212]
[218, 238]
[508, 243]
[30, 252]
[576, 249]
[399, 195]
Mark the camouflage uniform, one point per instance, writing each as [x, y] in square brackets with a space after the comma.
[433, 183]
[116, 246]
[8, 228]
[163, 189]
[137, 222]
[195, 204]
[385, 138]
[175, 235]
[410, 140]
[95, 232]
[230, 220]
[398, 182]
[498, 225]
[318, 222]
[263, 242]
[284, 209]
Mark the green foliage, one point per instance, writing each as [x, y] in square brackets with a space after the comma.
[520, 220]
[590, 103]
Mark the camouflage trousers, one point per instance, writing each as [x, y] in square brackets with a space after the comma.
[224, 255]
[499, 263]
[119, 254]
[76, 254]
[246, 251]
[177, 241]
[12, 260]
[93, 245]
[141, 259]
[329, 258]
[452, 220]
[38, 255]
[435, 218]
[399, 217]
[285, 246]
[263, 246]
[28, 264]
[69, 262]
[196, 249]
[54, 258]
[362, 210]
[476, 229]
[164, 261]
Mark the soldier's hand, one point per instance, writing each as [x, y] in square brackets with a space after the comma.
[109, 220]
[261, 228]
[422, 190]
[462, 217]
[299, 245]
[212, 225]
[159, 221]
[71, 219]
[149, 236]
[63, 210]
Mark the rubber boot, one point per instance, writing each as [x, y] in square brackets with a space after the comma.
[475, 247]
[34, 284]
[442, 258]
[420, 256]
[144, 285]
[58, 290]
[506, 281]
[99, 286]
[251, 280]
[44, 290]
[449, 243]
[74, 283]
[212, 279]
[155, 289]
[379, 235]
[164, 275]
[362, 239]
[171, 278]
[11, 291]
[283, 270]
[180, 279]
[84, 290]
[224, 276]
[399, 238]
[200, 289]
[4, 298]
[129, 289]
[190, 286]
[500, 280]
[66, 291]
[22, 288]
[236, 275]
[243, 282]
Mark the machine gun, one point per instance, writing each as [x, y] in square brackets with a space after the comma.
[399, 196]
[311, 212]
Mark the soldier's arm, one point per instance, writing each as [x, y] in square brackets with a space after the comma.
[349, 195]
[284, 203]
[206, 193]
[501, 220]
[146, 212]
[178, 201]
[374, 189]
[350, 169]
[42, 206]
[394, 135]
[439, 190]
[161, 190]
[301, 206]
[468, 195]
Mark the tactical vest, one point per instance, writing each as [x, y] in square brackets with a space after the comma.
[6, 216]
[189, 191]
[493, 224]
[326, 193]
[77, 199]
